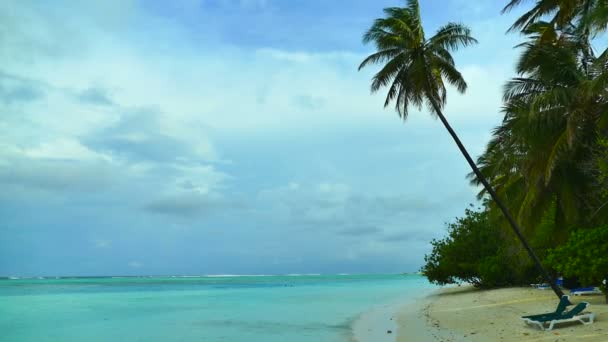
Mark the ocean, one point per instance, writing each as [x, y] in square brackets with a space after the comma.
[206, 308]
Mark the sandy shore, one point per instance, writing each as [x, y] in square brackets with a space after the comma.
[380, 324]
[467, 314]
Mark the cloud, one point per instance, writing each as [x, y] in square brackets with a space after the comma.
[139, 138]
[250, 4]
[95, 96]
[64, 149]
[57, 175]
[274, 142]
[338, 207]
[193, 191]
[15, 90]
[360, 231]
[135, 264]
[197, 90]
[102, 243]
[466, 7]
[188, 205]
[410, 235]
[60, 143]
[308, 102]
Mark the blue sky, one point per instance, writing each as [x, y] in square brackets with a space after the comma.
[226, 137]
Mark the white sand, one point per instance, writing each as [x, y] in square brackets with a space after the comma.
[467, 314]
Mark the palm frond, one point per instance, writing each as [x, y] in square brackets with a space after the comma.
[452, 37]
[413, 7]
[560, 145]
[415, 69]
[379, 57]
[511, 5]
[387, 73]
[449, 72]
[443, 53]
[597, 18]
[522, 88]
[527, 18]
[382, 35]
[403, 97]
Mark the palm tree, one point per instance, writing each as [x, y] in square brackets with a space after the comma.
[552, 110]
[416, 70]
[580, 18]
[536, 138]
[588, 16]
[562, 12]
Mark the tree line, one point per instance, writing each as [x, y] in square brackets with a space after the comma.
[544, 173]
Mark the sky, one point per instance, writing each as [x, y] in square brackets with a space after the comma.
[227, 137]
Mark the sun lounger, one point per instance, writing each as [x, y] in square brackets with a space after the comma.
[574, 315]
[544, 286]
[561, 307]
[586, 291]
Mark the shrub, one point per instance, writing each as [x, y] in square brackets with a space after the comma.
[471, 253]
[584, 255]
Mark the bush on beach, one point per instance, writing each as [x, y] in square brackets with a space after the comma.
[475, 252]
[584, 255]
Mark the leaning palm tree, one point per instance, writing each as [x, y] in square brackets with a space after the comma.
[416, 71]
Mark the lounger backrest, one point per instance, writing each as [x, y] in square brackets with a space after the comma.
[563, 303]
[580, 307]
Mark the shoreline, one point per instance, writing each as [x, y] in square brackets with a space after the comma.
[467, 314]
[373, 325]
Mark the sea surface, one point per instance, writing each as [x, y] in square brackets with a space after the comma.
[206, 308]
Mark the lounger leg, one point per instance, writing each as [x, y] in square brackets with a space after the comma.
[551, 325]
[590, 319]
[540, 325]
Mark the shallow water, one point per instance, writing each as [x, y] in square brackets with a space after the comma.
[228, 308]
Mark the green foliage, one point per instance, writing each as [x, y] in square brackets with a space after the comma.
[586, 17]
[547, 160]
[470, 253]
[584, 255]
[602, 165]
[549, 232]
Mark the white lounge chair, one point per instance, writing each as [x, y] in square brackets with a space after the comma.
[586, 291]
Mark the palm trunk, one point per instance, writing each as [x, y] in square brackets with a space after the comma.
[496, 199]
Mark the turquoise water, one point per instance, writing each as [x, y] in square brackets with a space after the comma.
[227, 308]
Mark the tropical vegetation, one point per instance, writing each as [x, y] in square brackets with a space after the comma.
[472, 252]
[545, 168]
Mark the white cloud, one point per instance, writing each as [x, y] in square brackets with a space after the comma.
[103, 243]
[253, 3]
[135, 264]
[65, 149]
[337, 208]
[228, 89]
[118, 120]
[483, 98]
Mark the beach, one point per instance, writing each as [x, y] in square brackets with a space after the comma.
[467, 314]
